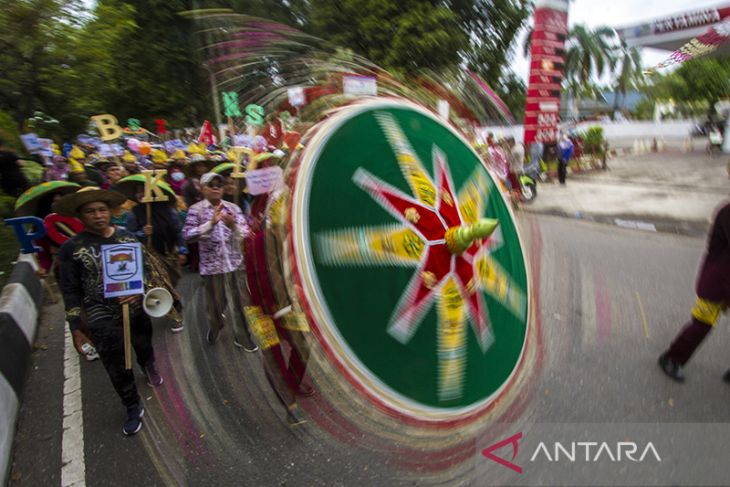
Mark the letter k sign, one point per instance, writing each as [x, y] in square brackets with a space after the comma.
[487, 452]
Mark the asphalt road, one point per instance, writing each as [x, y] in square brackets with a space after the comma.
[610, 300]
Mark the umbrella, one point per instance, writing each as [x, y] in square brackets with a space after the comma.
[127, 185]
[226, 167]
[27, 202]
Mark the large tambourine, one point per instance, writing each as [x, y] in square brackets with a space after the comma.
[407, 261]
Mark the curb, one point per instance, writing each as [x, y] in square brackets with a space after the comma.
[646, 223]
[20, 302]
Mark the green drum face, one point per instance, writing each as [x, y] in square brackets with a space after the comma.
[425, 330]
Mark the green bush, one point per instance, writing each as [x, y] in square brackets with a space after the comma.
[593, 141]
[7, 205]
[33, 172]
[9, 132]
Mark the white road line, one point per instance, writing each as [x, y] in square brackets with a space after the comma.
[73, 466]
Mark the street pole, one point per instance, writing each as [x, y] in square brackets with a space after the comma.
[216, 102]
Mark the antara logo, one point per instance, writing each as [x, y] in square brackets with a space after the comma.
[587, 451]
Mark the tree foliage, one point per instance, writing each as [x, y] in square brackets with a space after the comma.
[695, 87]
[71, 59]
[404, 36]
[492, 26]
[589, 53]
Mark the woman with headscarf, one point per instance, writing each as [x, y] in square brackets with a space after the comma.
[176, 176]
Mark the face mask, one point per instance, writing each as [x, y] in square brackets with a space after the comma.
[177, 176]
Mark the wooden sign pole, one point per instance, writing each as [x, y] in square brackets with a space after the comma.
[127, 337]
[149, 222]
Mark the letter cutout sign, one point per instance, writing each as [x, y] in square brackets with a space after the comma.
[230, 104]
[108, 127]
[152, 186]
[26, 238]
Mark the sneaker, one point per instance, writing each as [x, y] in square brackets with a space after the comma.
[154, 378]
[134, 420]
[726, 377]
[177, 326]
[671, 368]
[294, 416]
[250, 347]
[212, 335]
[90, 352]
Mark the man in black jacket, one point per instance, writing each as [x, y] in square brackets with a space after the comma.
[82, 287]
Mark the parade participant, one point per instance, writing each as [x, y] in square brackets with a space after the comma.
[78, 175]
[130, 162]
[58, 170]
[713, 297]
[565, 152]
[114, 172]
[176, 171]
[12, 180]
[498, 162]
[81, 284]
[176, 177]
[272, 313]
[230, 189]
[219, 227]
[536, 150]
[516, 162]
[191, 189]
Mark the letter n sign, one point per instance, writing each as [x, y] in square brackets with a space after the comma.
[230, 104]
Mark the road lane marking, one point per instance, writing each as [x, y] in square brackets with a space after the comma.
[73, 466]
[643, 315]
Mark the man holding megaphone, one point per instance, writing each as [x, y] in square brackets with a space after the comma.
[83, 292]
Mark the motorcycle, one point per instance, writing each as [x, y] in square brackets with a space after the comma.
[528, 184]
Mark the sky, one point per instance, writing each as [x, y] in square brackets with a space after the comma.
[619, 13]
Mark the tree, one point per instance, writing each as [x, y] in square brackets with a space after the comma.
[156, 67]
[492, 26]
[403, 36]
[589, 53]
[33, 34]
[706, 79]
[628, 72]
[513, 92]
[695, 86]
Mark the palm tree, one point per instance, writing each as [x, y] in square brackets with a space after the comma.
[589, 53]
[628, 71]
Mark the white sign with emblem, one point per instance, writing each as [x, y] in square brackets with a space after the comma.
[122, 269]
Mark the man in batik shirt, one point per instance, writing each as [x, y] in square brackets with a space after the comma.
[219, 227]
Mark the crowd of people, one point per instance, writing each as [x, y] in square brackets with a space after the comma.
[509, 159]
[201, 228]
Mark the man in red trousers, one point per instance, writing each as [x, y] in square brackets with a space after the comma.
[713, 297]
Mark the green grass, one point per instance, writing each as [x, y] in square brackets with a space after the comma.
[9, 248]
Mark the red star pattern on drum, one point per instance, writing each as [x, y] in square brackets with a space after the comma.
[431, 223]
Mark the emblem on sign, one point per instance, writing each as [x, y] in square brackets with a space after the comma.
[120, 263]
